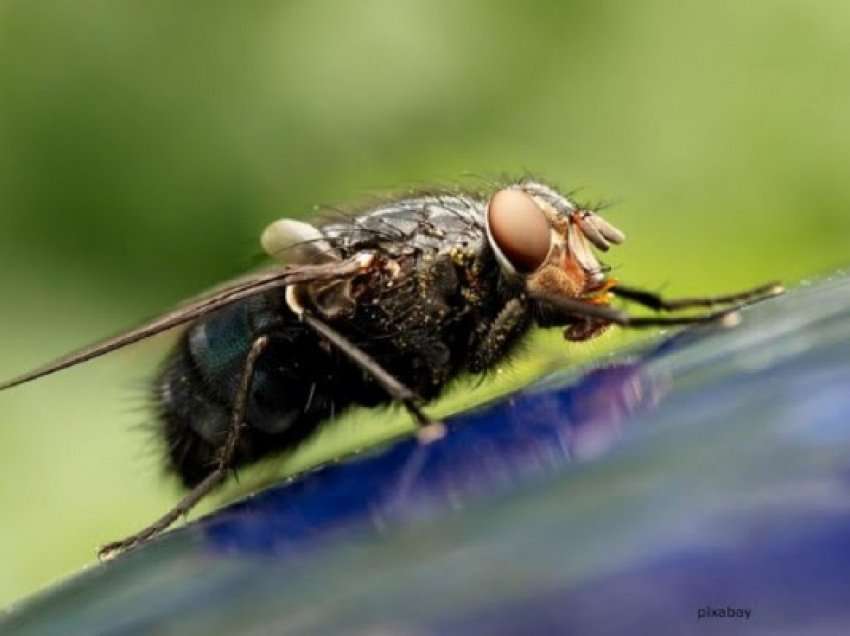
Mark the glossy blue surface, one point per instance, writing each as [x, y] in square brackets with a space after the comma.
[708, 471]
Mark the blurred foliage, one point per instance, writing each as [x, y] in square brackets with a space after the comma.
[143, 146]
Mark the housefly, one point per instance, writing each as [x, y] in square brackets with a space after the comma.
[388, 305]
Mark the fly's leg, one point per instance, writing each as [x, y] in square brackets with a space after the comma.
[658, 303]
[211, 481]
[604, 314]
[429, 429]
[727, 317]
[508, 324]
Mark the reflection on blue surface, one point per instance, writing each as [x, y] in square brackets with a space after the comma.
[487, 452]
[709, 471]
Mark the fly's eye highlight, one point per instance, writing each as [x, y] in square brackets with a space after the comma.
[518, 230]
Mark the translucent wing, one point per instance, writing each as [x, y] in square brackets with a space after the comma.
[242, 288]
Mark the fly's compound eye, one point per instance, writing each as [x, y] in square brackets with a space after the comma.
[518, 231]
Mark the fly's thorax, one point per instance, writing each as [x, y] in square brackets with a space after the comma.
[415, 224]
[404, 237]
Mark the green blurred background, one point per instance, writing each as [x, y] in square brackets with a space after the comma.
[143, 146]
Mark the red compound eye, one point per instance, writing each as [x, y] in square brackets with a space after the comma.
[519, 229]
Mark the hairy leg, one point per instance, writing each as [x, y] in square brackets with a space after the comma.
[219, 473]
[604, 313]
[509, 322]
[429, 429]
[658, 303]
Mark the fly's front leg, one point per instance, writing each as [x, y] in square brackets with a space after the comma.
[573, 307]
[211, 481]
[429, 429]
[658, 303]
[510, 323]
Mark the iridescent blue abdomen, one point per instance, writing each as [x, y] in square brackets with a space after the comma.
[290, 390]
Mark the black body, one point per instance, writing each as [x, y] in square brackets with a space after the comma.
[439, 311]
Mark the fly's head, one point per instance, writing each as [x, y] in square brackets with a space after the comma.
[545, 242]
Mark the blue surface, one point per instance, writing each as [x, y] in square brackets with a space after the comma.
[710, 470]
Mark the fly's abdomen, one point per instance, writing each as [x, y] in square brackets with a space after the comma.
[197, 388]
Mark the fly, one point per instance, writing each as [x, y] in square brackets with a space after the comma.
[387, 306]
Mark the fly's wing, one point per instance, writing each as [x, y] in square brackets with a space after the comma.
[242, 288]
